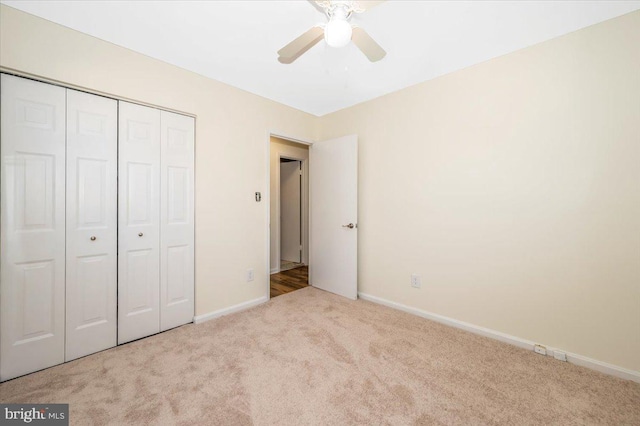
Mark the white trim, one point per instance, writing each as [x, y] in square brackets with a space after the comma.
[283, 135]
[594, 364]
[576, 359]
[275, 271]
[267, 199]
[230, 310]
[68, 85]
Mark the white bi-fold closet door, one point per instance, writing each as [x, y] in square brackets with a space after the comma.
[139, 222]
[156, 226]
[65, 290]
[91, 251]
[32, 232]
[177, 231]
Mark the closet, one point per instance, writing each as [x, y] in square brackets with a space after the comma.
[96, 223]
[91, 223]
[155, 239]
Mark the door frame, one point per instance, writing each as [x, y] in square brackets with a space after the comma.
[304, 207]
[267, 199]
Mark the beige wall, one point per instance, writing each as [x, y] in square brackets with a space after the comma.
[281, 147]
[232, 130]
[513, 188]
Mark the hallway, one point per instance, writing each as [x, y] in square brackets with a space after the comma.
[291, 280]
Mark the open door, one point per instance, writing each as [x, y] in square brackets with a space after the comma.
[333, 180]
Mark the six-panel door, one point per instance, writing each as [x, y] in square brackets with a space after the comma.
[32, 230]
[176, 218]
[92, 149]
[138, 222]
[122, 267]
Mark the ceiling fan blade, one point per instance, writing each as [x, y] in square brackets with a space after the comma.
[297, 47]
[367, 45]
[320, 6]
[365, 5]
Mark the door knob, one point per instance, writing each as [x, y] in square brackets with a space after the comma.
[140, 234]
[92, 238]
[350, 226]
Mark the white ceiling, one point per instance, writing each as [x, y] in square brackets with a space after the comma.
[236, 41]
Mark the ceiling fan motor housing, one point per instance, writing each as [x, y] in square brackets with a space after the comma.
[338, 31]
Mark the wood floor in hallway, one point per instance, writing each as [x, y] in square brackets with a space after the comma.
[291, 280]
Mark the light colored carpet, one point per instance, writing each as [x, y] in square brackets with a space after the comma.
[310, 357]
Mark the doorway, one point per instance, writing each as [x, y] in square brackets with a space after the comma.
[330, 222]
[289, 223]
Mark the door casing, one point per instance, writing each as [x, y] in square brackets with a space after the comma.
[268, 196]
[267, 199]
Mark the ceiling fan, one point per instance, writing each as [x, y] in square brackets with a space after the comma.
[337, 32]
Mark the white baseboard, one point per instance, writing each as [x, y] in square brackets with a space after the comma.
[274, 271]
[581, 360]
[230, 310]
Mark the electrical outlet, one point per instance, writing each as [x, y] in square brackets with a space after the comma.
[539, 349]
[250, 275]
[415, 281]
[560, 356]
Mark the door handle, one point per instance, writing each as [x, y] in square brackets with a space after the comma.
[350, 226]
[140, 234]
[92, 238]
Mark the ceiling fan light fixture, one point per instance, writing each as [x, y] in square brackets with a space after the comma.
[338, 31]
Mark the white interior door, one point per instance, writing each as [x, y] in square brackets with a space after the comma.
[138, 222]
[290, 211]
[177, 220]
[32, 230]
[333, 262]
[92, 147]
